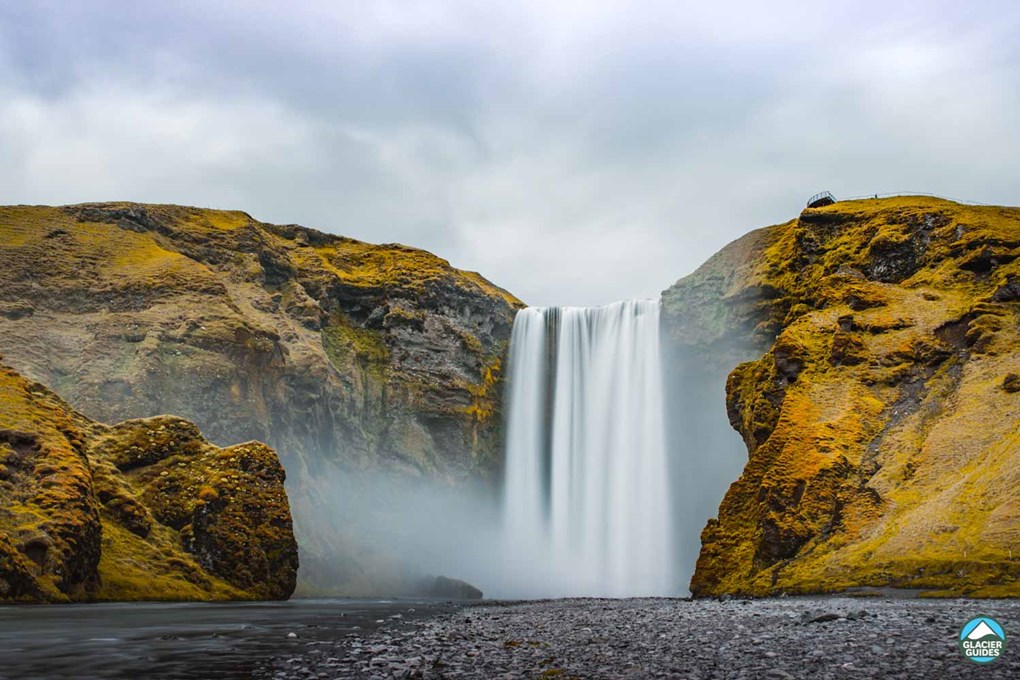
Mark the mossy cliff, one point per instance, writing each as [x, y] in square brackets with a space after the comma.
[345, 357]
[143, 510]
[883, 419]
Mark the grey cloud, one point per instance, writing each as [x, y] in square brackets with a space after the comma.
[573, 153]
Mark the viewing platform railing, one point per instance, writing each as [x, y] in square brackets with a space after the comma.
[820, 199]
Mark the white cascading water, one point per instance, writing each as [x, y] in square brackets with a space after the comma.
[586, 495]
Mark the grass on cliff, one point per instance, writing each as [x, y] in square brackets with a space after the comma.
[392, 266]
[132, 568]
[55, 246]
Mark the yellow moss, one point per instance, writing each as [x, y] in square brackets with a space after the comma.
[22, 224]
[208, 493]
[62, 250]
[216, 220]
[350, 345]
[902, 466]
[483, 401]
[392, 266]
[135, 569]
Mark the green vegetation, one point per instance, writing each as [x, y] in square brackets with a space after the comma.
[349, 345]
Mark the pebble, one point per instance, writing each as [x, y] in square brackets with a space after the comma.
[777, 639]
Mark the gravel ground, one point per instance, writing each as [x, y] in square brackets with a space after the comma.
[666, 638]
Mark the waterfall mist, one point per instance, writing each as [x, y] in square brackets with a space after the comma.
[617, 451]
[706, 453]
[384, 534]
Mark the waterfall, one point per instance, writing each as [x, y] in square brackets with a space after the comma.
[586, 488]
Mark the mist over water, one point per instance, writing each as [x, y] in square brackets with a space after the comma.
[617, 451]
[586, 504]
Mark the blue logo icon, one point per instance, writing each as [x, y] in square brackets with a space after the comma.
[982, 640]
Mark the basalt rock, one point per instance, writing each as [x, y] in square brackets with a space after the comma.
[143, 510]
[883, 438]
[453, 588]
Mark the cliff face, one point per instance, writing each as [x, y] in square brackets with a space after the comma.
[713, 322]
[142, 510]
[344, 356]
[883, 421]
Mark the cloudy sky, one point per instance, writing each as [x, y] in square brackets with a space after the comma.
[574, 152]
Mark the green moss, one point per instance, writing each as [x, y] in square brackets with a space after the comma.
[348, 345]
[132, 568]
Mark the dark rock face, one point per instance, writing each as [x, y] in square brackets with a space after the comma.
[17, 581]
[144, 510]
[1008, 291]
[719, 315]
[713, 321]
[453, 588]
[345, 357]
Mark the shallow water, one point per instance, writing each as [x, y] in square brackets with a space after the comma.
[180, 640]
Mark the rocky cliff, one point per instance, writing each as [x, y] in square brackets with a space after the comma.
[344, 356]
[143, 510]
[882, 421]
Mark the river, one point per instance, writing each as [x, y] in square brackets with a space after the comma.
[182, 640]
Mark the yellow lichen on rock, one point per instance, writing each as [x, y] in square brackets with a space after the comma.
[884, 449]
[346, 357]
[92, 512]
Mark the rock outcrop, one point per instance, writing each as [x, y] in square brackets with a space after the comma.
[882, 422]
[345, 357]
[453, 588]
[143, 510]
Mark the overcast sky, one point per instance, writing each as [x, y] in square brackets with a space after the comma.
[573, 152]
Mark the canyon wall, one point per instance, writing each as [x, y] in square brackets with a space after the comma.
[348, 358]
[879, 403]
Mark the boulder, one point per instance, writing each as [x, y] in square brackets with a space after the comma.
[454, 589]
